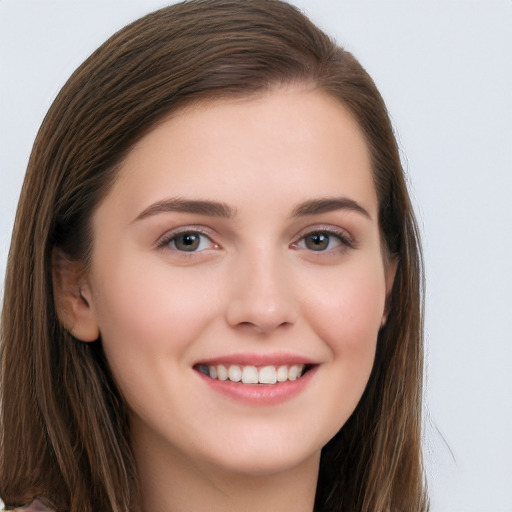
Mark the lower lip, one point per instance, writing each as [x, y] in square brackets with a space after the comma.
[260, 394]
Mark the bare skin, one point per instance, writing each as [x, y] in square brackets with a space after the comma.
[205, 488]
[242, 233]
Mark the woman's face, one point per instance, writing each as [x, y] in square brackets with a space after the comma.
[241, 240]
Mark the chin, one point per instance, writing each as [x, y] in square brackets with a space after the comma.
[265, 464]
[266, 451]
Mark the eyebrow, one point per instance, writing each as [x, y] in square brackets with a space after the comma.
[328, 204]
[198, 206]
[222, 210]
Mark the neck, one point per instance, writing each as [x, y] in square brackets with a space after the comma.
[170, 482]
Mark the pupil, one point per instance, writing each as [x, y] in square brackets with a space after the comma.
[317, 242]
[187, 242]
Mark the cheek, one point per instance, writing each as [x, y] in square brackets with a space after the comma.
[346, 311]
[346, 314]
[147, 313]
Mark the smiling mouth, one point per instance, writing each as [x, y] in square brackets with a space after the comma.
[248, 374]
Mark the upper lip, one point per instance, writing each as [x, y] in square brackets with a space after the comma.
[258, 359]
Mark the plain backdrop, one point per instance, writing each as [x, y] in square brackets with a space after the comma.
[444, 69]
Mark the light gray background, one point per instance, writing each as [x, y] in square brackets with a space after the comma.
[444, 69]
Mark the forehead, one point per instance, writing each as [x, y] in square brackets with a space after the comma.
[290, 142]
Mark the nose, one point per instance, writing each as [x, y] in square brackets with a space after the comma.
[262, 298]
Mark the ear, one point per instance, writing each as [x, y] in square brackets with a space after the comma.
[390, 267]
[72, 296]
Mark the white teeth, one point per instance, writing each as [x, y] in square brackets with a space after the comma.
[267, 375]
[250, 375]
[294, 372]
[235, 373]
[213, 372]
[282, 373]
[253, 375]
[222, 373]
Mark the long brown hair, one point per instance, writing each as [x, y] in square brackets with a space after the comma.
[64, 434]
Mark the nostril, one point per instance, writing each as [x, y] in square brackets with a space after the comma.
[262, 327]
[261, 312]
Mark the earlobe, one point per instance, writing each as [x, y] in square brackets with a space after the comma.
[72, 297]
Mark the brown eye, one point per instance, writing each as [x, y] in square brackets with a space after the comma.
[317, 241]
[190, 242]
[187, 242]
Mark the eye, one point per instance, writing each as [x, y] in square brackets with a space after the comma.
[324, 240]
[318, 241]
[187, 241]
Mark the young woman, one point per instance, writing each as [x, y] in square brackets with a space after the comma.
[213, 297]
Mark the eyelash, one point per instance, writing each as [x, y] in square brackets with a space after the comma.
[166, 240]
[346, 242]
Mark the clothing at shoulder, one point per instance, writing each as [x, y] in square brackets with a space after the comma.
[35, 506]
